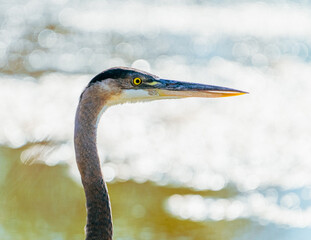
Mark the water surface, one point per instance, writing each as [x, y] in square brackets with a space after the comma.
[234, 168]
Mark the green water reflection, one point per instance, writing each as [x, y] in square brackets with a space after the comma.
[42, 202]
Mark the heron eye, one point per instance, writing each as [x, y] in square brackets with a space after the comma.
[137, 81]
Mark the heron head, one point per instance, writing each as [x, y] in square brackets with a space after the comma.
[131, 85]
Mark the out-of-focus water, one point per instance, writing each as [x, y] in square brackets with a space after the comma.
[234, 168]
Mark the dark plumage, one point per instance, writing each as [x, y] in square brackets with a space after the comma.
[119, 73]
[120, 87]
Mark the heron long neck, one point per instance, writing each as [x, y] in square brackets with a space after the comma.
[99, 220]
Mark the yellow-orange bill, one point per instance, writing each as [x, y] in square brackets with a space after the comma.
[177, 89]
[198, 93]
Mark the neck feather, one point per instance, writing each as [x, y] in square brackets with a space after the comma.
[99, 220]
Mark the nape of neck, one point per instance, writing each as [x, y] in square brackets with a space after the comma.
[99, 220]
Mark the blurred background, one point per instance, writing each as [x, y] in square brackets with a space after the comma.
[233, 168]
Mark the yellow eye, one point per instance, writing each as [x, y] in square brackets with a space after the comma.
[137, 81]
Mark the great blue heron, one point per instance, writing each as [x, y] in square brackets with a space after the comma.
[114, 86]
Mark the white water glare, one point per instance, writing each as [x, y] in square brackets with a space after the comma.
[257, 144]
